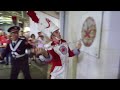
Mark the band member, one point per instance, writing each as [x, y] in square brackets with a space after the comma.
[19, 59]
[57, 53]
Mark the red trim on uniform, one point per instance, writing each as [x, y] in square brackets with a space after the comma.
[71, 54]
[56, 61]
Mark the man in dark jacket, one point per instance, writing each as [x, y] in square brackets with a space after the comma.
[19, 59]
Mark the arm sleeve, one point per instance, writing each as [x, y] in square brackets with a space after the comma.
[46, 59]
[53, 56]
[76, 51]
[73, 52]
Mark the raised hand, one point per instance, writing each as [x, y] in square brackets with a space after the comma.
[78, 45]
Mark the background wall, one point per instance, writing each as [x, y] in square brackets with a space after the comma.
[86, 66]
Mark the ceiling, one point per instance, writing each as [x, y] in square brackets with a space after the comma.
[5, 16]
[52, 13]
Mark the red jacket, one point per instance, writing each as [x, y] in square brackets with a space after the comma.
[3, 39]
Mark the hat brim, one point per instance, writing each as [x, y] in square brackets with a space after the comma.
[14, 29]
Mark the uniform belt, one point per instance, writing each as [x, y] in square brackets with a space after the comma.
[18, 56]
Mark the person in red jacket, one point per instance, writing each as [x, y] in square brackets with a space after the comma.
[3, 44]
[58, 52]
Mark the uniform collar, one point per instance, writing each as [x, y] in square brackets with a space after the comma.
[14, 41]
[60, 42]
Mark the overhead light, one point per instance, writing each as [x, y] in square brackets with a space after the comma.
[5, 20]
[1, 22]
[1, 17]
[9, 16]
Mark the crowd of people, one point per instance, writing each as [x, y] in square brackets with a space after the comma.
[5, 39]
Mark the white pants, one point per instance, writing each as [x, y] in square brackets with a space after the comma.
[58, 73]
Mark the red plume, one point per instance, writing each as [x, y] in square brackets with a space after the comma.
[14, 19]
[33, 16]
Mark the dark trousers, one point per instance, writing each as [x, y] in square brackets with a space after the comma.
[8, 58]
[20, 64]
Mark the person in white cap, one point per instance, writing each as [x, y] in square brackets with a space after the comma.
[57, 53]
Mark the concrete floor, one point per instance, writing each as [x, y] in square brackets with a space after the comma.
[37, 71]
